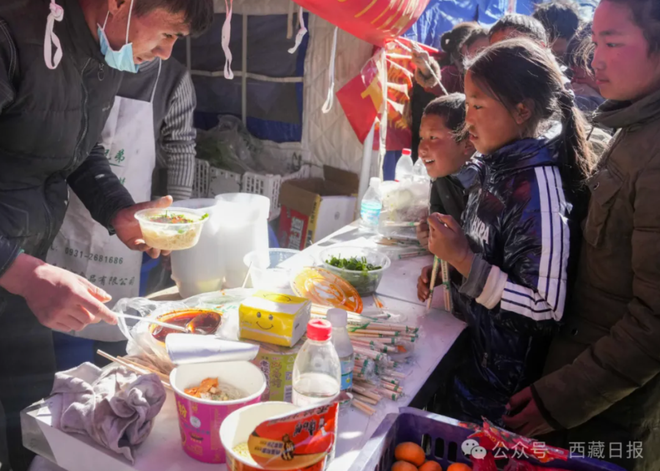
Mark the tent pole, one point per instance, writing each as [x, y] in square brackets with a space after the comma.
[244, 56]
[367, 155]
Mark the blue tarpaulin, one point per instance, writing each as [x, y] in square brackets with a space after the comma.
[442, 15]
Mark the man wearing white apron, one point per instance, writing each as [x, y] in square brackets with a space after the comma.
[131, 143]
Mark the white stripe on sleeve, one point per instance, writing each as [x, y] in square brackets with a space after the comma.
[548, 299]
[493, 289]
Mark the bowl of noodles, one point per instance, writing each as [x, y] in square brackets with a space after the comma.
[171, 229]
[206, 393]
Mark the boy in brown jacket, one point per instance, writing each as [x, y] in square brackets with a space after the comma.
[601, 392]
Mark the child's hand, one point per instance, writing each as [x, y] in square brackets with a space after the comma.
[448, 242]
[424, 282]
[421, 59]
[423, 234]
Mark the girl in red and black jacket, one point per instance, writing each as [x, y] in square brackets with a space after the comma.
[514, 248]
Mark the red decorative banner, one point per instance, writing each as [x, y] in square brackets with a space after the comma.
[362, 97]
[374, 21]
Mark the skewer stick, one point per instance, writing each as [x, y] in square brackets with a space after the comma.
[136, 368]
[247, 276]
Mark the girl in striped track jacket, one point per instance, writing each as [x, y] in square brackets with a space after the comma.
[514, 247]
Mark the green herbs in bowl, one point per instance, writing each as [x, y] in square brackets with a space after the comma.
[361, 267]
[353, 263]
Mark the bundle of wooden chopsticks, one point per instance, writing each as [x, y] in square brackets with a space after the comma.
[136, 368]
[374, 374]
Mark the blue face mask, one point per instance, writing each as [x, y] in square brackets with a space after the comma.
[123, 58]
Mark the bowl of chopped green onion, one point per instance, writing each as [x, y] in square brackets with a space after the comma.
[361, 267]
[172, 228]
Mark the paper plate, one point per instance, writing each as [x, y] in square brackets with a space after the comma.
[324, 287]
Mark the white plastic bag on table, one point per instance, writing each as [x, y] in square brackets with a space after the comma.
[143, 345]
[404, 204]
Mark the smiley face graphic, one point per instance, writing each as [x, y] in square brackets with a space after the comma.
[261, 319]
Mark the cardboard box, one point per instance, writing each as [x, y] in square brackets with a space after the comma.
[313, 208]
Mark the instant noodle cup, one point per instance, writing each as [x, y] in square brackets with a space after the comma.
[248, 430]
[200, 419]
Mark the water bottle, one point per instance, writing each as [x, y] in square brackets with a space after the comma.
[371, 205]
[404, 167]
[419, 169]
[342, 342]
[317, 371]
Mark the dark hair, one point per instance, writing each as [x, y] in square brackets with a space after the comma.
[560, 18]
[533, 77]
[450, 42]
[452, 109]
[646, 15]
[198, 14]
[580, 49]
[474, 36]
[530, 27]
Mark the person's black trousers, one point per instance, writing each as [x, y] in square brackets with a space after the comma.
[27, 369]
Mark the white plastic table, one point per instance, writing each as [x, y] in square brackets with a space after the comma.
[162, 451]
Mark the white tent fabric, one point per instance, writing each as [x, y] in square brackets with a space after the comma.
[328, 138]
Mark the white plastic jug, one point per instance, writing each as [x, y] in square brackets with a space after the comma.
[243, 229]
[202, 268]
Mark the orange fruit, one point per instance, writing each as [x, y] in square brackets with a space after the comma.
[410, 452]
[459, 467]
[403, 466]
[430, 466]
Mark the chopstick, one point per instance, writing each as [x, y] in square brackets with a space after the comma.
[434, 275]
[449, 306]
[402, 224]
[366, 399]
[136, 368]
[363, 407]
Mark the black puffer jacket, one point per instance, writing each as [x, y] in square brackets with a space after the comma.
[519, 223]
[50, 123]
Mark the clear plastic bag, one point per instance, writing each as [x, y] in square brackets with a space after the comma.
[229, 146]
[143, 345]
[404, 204]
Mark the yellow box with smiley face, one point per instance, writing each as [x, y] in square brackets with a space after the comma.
[274, 318]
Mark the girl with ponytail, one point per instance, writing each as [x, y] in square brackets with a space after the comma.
[516, 245]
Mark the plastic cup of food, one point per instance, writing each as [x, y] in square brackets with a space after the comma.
[200, 419]
[236, 430]
[365, 282]
[171, 229]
